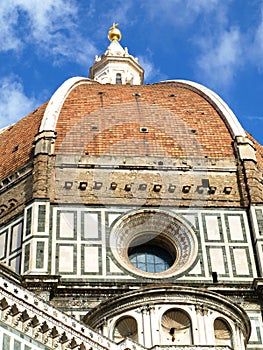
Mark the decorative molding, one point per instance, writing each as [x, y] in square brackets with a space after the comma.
[144, 225]
[27, 314]
[15, 177]
[55, 104]
[170, 295]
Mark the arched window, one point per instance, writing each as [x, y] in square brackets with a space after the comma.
[118, 79]
[126, 327]
[177, 328]
[223, 334]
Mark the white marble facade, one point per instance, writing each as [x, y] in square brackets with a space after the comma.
[77, 243]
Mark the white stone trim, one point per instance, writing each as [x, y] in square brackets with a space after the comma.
[14, 294]
[226, 113]
[5, 128]
[55, 104]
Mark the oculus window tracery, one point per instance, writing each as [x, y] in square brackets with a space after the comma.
[153, 243]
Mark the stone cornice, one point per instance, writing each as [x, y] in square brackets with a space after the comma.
[32, 316]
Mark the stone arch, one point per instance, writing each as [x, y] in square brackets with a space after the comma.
[223, 332]
[125, 327]
[177, 327]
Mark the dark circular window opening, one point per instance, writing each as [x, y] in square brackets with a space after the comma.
[150, 258]
[153, 243]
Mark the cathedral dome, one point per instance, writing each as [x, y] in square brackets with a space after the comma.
[102, 116]
[171, 123]
[134, 208]
[150, 120]
[171, 119]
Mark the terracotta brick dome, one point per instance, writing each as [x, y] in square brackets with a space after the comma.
[171, 119]
[16, 142]
[137, 209]
[150, 120]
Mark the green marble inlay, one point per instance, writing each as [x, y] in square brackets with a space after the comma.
[242, 223]
[72, 226]
[258, 332]
[3, 239]
[27, 256]
[206, 229]
[41, 218]
[6, 342]
[40, 255]
[20, 339]
[28, 221]
[17, 345]
[259, 217]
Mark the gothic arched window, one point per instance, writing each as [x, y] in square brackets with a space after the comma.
[223, 334]
[177, 327]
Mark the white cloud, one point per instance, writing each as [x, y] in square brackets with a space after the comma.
[255, 117]
[181, 12]
[226, 50]
[202, 5]
[259, 38]
[47, 19]
[220, 57]
[150, 71]
[256, 47]
[119, 12]
[13, 101]
[8, 19]
[48, 25]
[216, 46]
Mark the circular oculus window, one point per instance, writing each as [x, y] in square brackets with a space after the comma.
[153, 243]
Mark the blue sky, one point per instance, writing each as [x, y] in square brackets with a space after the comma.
[218, 43]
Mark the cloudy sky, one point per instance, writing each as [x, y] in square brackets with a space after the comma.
[218, 43]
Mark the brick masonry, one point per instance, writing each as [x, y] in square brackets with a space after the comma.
[121, 148]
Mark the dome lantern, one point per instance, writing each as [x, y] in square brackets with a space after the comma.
[116, 65]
